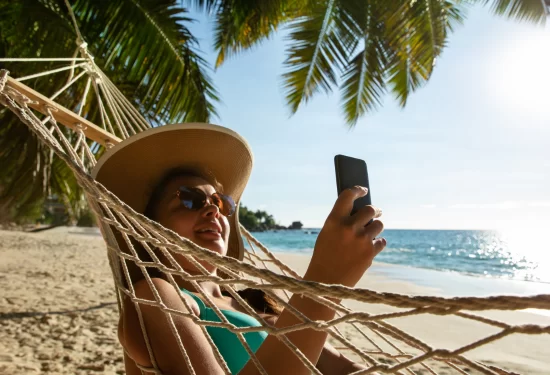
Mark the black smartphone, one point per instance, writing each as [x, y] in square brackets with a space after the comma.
[349, 173]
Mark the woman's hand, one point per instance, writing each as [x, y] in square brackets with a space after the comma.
[346, 246]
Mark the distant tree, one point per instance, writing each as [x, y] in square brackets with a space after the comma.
[258, 220]
[270, 221]
[247, 218]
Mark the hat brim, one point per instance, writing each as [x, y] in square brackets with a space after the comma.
[133, 168]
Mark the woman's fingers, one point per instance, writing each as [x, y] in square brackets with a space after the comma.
[374, 229]
[346, 245]
[379, 244]
[344, 203]
[364, 215]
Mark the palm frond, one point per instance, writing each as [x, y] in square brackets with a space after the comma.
[21, 176]
[144, 47]
[417, 33]
[240, 26]
[147, 41]
[320, 43]
[363, 79]
[328, 38]
[536, 11]
[208, 6]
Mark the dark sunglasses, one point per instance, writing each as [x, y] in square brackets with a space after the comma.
[195, 199]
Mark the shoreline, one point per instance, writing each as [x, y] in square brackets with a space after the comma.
[442, 272]
[448, 284]
[431, 279]
[94, 232]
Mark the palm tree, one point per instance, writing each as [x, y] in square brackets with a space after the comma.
[146, 49]
[364, 47]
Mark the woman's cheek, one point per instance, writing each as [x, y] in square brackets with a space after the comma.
[181, 228]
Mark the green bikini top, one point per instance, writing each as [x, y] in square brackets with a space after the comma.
[231, 349]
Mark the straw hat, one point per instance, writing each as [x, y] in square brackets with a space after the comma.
[133, 168]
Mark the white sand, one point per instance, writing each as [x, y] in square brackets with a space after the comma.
[58, 307]
[58, 311]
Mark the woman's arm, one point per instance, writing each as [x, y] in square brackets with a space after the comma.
[344, 250]
[332, 362]
[276, 357]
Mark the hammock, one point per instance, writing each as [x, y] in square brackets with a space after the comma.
[390, 350]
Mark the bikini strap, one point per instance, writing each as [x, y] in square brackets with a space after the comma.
[202, 306]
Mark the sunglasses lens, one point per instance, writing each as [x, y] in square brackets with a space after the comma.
[195, 199]
[192, 199]
[225, 203]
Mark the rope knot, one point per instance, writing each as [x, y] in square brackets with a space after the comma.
[50, 108]
[443, 353]
[3, 79]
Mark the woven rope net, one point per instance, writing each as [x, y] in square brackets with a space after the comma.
[364, 332]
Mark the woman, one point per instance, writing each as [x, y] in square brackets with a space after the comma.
[186, 178]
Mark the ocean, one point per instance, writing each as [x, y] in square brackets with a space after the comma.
[482, 253]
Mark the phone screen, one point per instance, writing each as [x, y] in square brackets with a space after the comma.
[349, 173]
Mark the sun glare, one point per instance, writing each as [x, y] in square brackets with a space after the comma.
[529, 241]
[520, 77]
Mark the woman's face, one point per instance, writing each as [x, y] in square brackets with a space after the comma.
[192, 224]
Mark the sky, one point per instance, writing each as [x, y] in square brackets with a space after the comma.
[471, 150]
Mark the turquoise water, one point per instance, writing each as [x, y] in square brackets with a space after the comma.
[473, 252]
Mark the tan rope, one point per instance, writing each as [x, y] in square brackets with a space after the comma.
[84, 96]
[45, 73]
[44, 59]
[75, 24]
[69, 84]
[117, 216]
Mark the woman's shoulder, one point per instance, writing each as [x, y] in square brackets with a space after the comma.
[129, 330]
[168, 294]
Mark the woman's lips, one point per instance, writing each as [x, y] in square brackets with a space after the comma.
[209, 235]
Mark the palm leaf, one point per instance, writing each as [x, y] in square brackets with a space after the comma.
[144, 47]
[242, 24]
[330, 47]
[417, 34]
[320, 45]
[363, 79]
[148, 42]
[524, 10]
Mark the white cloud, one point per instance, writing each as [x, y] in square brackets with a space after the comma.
[539, 204]
[429, 205]
[505, 205]
[465, 205]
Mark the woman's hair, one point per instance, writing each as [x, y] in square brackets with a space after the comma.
[256, 298]
[260, 301]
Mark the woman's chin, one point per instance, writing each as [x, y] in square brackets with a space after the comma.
[215, 244]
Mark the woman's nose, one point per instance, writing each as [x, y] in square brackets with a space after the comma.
[210, 208]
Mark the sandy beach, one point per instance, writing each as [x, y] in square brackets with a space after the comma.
[58, 310]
